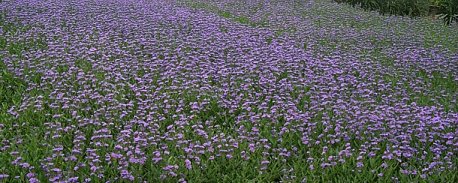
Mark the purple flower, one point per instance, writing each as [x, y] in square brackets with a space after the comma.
[34, 180]
[3, 176]
[359, 164]
[188, 164]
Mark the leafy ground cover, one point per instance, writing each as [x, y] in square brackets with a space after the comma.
[224, 91]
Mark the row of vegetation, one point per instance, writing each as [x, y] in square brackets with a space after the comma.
[447, 10]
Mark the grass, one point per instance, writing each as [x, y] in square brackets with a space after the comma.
[225, 14]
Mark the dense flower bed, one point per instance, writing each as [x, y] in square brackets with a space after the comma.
[224, 91]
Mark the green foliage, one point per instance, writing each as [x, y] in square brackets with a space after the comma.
[225, 14]
[447, 9]
[11, 88]
[398, 7]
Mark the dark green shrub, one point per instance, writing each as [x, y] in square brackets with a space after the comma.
[399, 7]
[448, 9]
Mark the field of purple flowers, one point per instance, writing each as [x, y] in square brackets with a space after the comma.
[224, 91]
